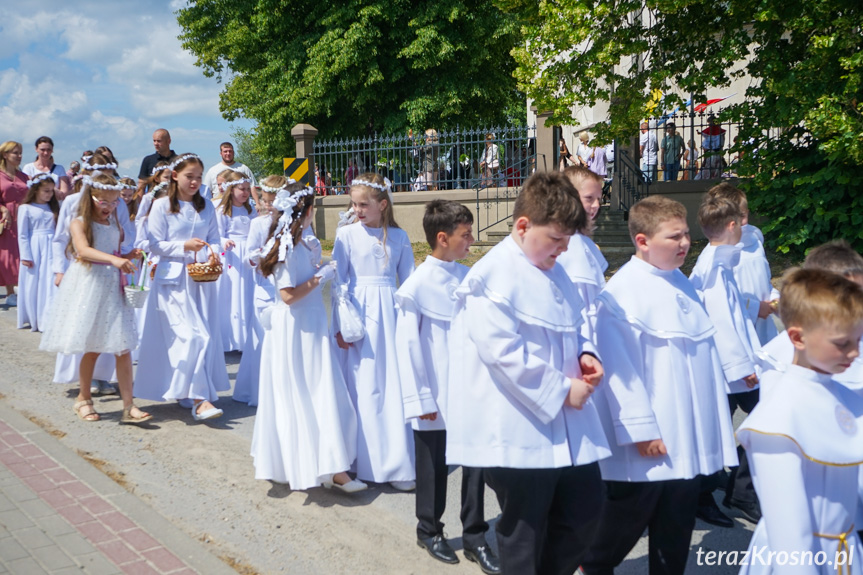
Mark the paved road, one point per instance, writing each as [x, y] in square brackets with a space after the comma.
[180, 497]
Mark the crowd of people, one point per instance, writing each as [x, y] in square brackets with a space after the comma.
[594, 410]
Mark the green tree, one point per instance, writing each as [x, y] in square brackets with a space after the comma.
[247, 153]
[353, 67]
[806, 90]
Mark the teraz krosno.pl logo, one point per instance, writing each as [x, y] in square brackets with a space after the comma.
[763, 556]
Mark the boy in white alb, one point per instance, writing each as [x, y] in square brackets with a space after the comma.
[736, 342]
[425, 306]
[752, 272]
[804, 440]
[583, 262]
[521, 377]
[661, 403]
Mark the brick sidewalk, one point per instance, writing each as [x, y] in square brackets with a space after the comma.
[60, 515]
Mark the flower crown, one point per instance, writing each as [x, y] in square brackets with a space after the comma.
[89, 182]
[285, 202]
[387, 186]
[158, 188]
[270, 190]
[157, 169]
[227, 185]
[98, 167]
[38, 179]
[182, 159]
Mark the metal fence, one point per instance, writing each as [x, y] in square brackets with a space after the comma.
[704, 142]
[457, 159]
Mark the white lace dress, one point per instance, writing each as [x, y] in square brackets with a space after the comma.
[88, 312]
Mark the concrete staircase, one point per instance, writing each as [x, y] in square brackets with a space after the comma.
[611, 233]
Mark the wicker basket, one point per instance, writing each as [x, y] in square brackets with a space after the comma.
[208, 271]
[135, 296]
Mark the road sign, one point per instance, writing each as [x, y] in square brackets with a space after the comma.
[298, 169]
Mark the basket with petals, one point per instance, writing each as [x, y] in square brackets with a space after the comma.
[208, 271]
[136, 295]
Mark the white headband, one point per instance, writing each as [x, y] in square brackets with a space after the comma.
[386, 187]
[158, 169]
[95, 167]
[285, 202]
[228, 185]
[88, 181]
[182, 159]
[270, 190]
[41, 178]
[158, 188]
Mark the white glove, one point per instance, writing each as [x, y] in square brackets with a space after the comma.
[327, 272]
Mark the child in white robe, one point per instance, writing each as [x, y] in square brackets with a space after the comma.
[181, 354]
[372, 255]
[426, 302]
[37, 218]
[584, 263]
[237, 284]
[840, 258]
[736, 342]
[664, 403]
[804, 440]
[521, 378]
[246, 383]
[305, 427]
[752, 272]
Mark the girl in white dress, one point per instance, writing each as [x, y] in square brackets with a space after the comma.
[37, 217]
[88, 314]
[237, 284]
[305, 428]
[181, 349]
[372, 254]
[246, 383]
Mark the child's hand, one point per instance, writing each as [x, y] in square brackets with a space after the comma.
[135, 254]
[765, 308]
[326, 272]
[57, 279]
[579, 392]
[27, 263]
[123, 265]
[652, 448]
[341, 342]
[194, 245]
[230, 244]
[429, 416]
[591, 369]
[751, 380]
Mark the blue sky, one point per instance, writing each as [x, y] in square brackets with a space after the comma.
[91, 73]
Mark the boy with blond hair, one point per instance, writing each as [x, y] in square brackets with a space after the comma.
[660, 404]
[804, 440]
[522, 407]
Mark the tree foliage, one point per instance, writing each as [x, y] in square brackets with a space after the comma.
[352, 67]
[247, 153]
[803, 58]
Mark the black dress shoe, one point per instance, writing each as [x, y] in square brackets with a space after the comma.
[710, 513]
[438, 548]
[751, 510]
[485, 557]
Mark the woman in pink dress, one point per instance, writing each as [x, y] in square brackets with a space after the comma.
[13, 188]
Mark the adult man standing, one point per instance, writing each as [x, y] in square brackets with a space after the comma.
[164, 153]
[226, 150]
[648, 148]
[672, 150]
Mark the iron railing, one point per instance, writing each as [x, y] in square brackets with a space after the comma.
[458, 159]
[632, 184]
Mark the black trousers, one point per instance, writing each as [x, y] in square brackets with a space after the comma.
[740, 487]
[665, 508]
[431, 467]
[548, 517]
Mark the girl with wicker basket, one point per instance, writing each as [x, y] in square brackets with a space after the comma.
[88, 314]
[237, 284]
[181, 348]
